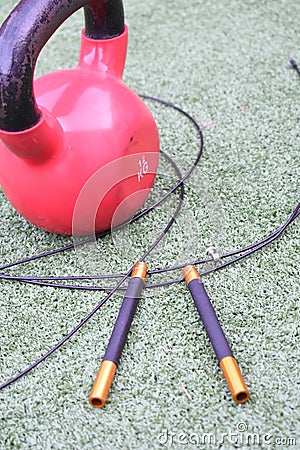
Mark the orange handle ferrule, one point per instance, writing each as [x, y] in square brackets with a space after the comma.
[102, 384]
[234, 379]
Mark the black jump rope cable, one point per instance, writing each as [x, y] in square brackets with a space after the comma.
[48, 281]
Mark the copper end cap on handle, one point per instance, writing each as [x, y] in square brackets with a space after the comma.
[190, 273]
[139, 270]
[102, 384]
[234, 379]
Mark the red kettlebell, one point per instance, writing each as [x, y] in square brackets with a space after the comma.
[78, 148]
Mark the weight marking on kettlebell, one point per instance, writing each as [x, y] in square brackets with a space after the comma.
[143, 168]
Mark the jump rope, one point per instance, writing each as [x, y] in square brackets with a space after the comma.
[137, 283]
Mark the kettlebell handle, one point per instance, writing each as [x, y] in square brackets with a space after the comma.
[22, 37]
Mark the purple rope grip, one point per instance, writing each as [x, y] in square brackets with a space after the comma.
[124, 320]
[209, 319]
[109, 364]
[216, 335]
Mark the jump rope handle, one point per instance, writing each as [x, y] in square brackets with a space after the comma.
[109, 364]
[216, 335]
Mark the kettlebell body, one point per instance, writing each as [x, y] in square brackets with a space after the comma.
[93, 149]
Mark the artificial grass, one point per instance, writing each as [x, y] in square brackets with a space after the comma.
[227, 63]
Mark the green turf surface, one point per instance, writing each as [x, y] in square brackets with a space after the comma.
[226, 63]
